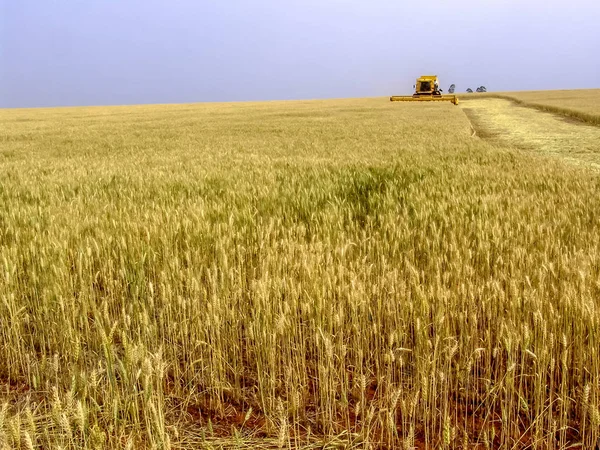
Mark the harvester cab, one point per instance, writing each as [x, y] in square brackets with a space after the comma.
[426, 89]
[427, 85]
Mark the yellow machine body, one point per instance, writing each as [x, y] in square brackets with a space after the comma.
[426, 90]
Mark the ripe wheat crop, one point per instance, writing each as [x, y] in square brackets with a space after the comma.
[292, 274]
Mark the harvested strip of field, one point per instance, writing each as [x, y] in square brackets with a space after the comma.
[582, 105]
[580, 100]
[505, 122]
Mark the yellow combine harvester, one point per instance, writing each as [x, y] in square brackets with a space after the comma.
[426, 90]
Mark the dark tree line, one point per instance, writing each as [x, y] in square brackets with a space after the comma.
[452, 88]
[479, 89]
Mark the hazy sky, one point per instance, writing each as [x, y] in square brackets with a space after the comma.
[91, 52]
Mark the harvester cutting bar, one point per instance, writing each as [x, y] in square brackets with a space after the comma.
[429, 98]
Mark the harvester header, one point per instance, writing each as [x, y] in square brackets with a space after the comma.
[426, 90]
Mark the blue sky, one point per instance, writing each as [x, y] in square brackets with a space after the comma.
[98, 52]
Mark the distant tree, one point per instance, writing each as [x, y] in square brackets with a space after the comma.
[451, 89]
[469, 90]
[481, 89]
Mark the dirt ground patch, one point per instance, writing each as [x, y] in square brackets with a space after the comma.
[503, 121]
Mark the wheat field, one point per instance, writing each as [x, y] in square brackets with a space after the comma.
[312, 274]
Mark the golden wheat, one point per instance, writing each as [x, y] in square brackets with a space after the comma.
[292, 274]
